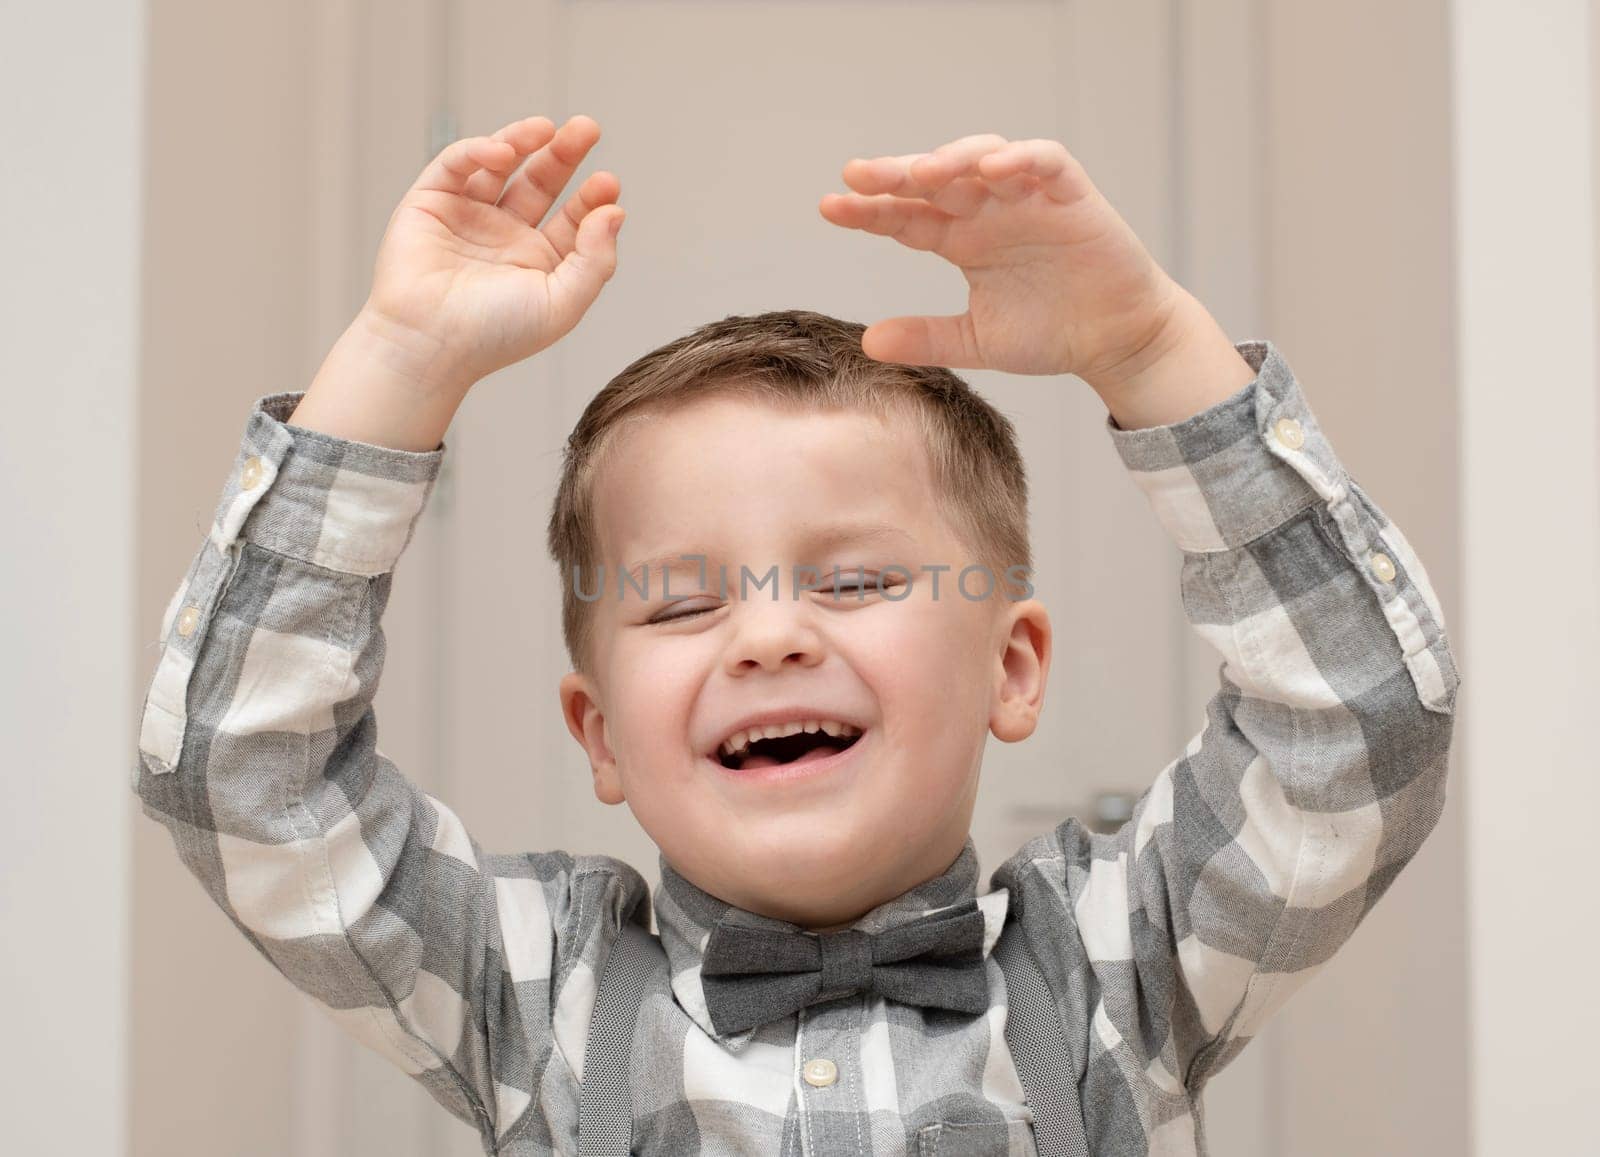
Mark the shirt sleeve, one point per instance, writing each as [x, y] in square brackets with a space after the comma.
[1318, 771]
[257, 751]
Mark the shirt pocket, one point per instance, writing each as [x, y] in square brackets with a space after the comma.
[1008, 1138]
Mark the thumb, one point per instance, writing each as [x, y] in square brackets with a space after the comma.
[577, 281]
[924, 341]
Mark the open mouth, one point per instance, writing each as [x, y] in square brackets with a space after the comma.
[802, 746]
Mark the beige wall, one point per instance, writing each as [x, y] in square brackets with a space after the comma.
[69, 329]
[279, 139]
[225, 227]
[1359, 294]
[1531, 614]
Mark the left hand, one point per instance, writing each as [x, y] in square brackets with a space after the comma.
[1058, 281]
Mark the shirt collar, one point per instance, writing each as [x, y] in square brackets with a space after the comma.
[685, 915]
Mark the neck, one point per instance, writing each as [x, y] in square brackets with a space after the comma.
[841, 911]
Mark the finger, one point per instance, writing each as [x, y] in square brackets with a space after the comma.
[951, 177]
[532, 191]
[883, 175]
[524, 136]
[959, 198]
[959, 158]
[924, 341]
[1048, 163]
[937, 179]
[583, 272]
[916, 224]
[561, 231]
[1013, 188]
[1008, 183]
[920, 174]
[456, 163]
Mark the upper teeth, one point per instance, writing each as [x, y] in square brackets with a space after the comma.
[739, 742]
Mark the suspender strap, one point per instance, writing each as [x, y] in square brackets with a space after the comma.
[1039, 1046]
[605, 1108]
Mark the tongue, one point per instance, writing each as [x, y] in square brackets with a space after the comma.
[754, 761]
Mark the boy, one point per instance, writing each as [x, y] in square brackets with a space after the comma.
[807, 763]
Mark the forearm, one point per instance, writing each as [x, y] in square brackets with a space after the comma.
[272, 637]
[1188, 367]
[384, 385]
[1321, 765]
[258, 752]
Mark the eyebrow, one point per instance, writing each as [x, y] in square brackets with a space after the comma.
[819, 537]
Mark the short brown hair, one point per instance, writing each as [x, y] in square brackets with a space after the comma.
[800, 359]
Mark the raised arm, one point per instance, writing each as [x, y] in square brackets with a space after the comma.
[258, 752]
[1320, 766]
[258, 740]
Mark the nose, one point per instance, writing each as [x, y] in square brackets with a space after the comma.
[773, 634]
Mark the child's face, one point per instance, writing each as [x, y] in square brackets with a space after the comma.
[926, 677]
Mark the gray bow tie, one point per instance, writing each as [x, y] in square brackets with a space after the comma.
[754, 975]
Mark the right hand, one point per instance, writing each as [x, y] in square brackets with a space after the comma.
[481, 285]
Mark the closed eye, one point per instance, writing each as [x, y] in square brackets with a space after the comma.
[854, 590]
[663, 618]
[857, 588]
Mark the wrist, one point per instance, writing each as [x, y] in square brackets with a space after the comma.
[1188, 365]
[416, 360]
[386, 385]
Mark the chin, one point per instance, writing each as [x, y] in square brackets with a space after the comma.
[807, 871]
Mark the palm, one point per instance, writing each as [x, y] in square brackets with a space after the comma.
[1057, 280]
[487, 280]
[465, 267]
[1037, 267]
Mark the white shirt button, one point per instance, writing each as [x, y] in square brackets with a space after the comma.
[188, 621]
[1383, 567]
[1290, 433]
[821, 1072]
[250, 473]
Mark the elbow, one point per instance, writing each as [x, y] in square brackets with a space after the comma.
[1407, 739]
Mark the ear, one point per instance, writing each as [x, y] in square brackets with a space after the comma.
[580, 707]
[1022, 665]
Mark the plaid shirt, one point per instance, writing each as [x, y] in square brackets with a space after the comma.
[1318, 772]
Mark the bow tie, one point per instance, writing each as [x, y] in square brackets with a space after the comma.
[754, 975]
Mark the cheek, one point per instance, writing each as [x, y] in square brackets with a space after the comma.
[925, 663]
[935, 639]
[652, 690]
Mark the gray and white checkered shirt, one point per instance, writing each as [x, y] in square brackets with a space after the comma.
[1318, 772]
